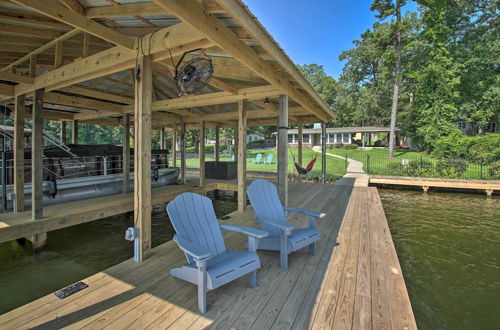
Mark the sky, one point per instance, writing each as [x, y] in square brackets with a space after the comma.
[315, 31]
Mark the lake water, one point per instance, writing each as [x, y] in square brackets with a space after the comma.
[74, 253]
[449, 249]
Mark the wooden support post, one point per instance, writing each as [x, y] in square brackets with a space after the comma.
[162, 138]
[300, 147]
[489, 193]
[32, 67]
[362, 140]
[126, 154]
[236, 144]
[202, 153]
[426, 189]
[37, 166]
[323, 153]
[85, 45]
[58, 58]
[19, 154]
[182, 147]
[142, 155]
[242, 157]
[217, 144]
[174, 147]
[74, 132]
[64, 138]
[283, 149]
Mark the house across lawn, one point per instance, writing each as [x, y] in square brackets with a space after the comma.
[367, 135]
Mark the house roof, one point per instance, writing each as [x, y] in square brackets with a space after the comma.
[362, 129]
[86, 85]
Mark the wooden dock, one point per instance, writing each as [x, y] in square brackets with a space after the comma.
[18, 225]
[487, 186]
[354, 281]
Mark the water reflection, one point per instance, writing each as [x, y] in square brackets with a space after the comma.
[77, 252]
[448, 247]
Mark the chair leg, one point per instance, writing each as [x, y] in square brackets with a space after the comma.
[312, 248]
[202, 290]
[252, 279]
[283, 252]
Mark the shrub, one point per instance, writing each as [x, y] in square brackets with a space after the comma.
[484, 149]
[351, 146]
[316, 176]
[494, 170]
[451, 168]
[421, 167]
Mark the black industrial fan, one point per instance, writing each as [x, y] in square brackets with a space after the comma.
[194, 75]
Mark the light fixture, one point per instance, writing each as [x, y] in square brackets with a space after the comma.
[266, 101]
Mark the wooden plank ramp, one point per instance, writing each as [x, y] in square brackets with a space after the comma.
[488, 186]
[353, 281]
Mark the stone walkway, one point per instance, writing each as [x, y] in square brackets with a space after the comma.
[354, 166]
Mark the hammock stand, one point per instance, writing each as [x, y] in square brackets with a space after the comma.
[302, 170]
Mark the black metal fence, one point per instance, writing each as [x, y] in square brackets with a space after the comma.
[422, 166]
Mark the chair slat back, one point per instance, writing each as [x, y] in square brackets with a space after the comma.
[265, 201]
[194, 219]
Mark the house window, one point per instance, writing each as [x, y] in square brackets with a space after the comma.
[305, 138]
[331, 138]
[346, 138]
[338, 138]
[290, 138]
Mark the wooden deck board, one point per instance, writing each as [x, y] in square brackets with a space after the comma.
[357, 284]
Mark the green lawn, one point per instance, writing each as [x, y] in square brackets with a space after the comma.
[334, 166]
[375, 162]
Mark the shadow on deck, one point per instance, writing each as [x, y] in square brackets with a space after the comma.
[354, 280]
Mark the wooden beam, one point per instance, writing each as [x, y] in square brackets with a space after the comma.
[126, 154]
[8, 76]
[202, 153]
[42, 49]
[74, 132]
[32, 66]
[60, 13]
[193, 13]
[85, 45]
[58, 56]
[6, 90]
[172, 40]
[142, 155]
[300, 146]
[74, 5]
[242, 155]
[37, 156]
[19, 153]
[174, 146]
[283, 150]
[247, 20]
[140, 9]
[323, 153]
[182, 147]
[95, 93]
[84, 103]
[217, 144]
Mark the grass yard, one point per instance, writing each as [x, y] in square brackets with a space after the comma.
[334, 166]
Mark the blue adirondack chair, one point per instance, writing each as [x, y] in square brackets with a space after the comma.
[199, 235]
[268, 159]
[257, 159]
[283, 236]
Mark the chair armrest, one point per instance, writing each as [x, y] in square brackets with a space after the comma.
[257, 233]
[194, 250]
[284, 227]
[306, 212]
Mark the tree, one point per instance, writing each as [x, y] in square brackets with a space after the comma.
[386, 8]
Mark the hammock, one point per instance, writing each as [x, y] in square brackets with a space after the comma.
[302, 170]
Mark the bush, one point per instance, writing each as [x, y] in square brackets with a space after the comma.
[351, 146]
[451, 168]
[484, 149]
[316, 176]
[423, 168]
[494, 170]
